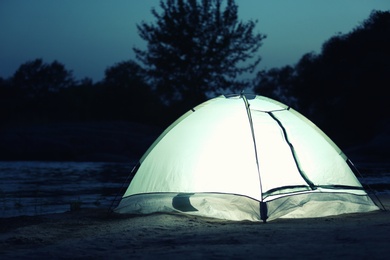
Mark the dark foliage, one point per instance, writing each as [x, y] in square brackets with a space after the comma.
[41, 79]
[344, 88]
[197, 48]
[125, 90]
[41, 93]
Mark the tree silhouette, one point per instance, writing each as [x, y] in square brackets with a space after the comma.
[40, 92]
[38, 78]
[127, 74]
[32, 93]
[126, 93]
[344, 88]
[277, 83]
[197, 48]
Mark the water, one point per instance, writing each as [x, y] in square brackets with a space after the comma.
[34, 188]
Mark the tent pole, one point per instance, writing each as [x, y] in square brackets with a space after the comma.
[263, 205]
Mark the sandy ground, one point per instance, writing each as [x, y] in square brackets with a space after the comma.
[92, 233]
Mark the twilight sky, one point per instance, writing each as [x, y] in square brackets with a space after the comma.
[88, 36]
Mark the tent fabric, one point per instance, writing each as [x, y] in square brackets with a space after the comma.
[229, 155]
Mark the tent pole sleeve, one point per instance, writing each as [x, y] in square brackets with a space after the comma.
[307, 180]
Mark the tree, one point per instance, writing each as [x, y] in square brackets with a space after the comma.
[7, 100]
[350, 79]
[126, 93]
[32, 92]
[127, 74]
[277, 83]
[38, 78]
[197, 48]
[345, 85]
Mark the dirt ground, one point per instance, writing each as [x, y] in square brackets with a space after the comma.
[94, 233]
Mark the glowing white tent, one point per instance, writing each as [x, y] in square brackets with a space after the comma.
[244, 158]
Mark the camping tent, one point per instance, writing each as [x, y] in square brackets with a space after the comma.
[244, 158]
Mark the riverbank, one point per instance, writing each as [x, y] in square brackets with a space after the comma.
[93, 233]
